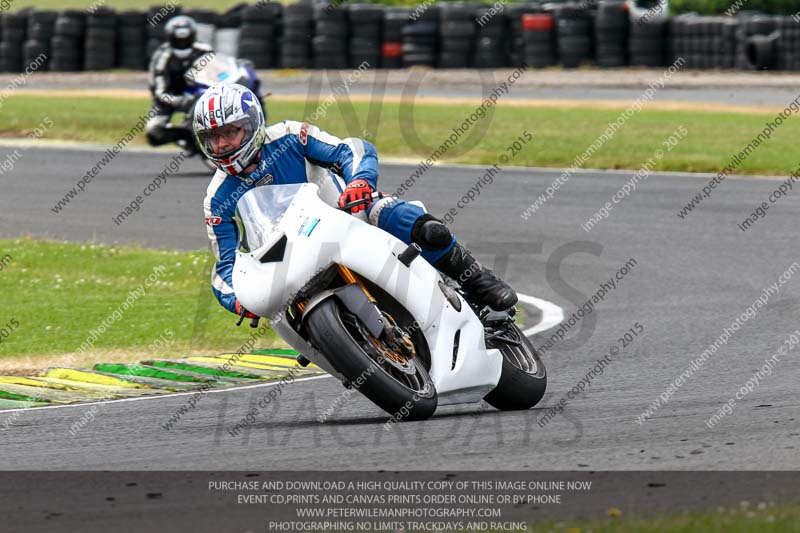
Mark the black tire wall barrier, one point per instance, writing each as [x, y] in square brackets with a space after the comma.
[445, 35]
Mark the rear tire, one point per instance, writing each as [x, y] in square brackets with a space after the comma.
[335, 332]
[523, 380]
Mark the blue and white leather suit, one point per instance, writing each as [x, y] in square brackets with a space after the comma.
[296, 152]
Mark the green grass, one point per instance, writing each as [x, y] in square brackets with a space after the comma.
[60, 292]
[707, 7]
[748, 518]
[560, 134]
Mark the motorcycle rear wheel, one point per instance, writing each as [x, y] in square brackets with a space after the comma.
[340, 336]
[524, 379]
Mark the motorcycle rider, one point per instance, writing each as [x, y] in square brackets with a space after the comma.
[168, 66]
[230, 129]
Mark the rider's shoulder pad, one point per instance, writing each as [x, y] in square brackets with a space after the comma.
[216, 180]
[282, 129]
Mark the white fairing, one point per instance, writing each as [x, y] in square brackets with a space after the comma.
[318, 235]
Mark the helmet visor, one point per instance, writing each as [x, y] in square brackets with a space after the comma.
[181, 35]
[228, 139]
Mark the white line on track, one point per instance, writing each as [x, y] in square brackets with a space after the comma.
[175, 395]
[552, 315]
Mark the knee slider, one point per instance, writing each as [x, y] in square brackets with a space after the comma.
[431, 233]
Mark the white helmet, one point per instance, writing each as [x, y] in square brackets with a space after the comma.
[181, 33]
[223, 109]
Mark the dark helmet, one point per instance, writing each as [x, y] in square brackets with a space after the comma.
[181, 32]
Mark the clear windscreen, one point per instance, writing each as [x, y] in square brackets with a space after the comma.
[260, 210]
[212, 68]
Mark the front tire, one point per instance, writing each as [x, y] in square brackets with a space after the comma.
[339, 335]
[524, 379]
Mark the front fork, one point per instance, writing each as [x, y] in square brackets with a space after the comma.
[350, 278]
[386, 335]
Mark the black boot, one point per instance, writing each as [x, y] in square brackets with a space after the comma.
[476, 280]
[481, 283]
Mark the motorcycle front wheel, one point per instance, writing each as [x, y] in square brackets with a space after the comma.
[399, 385]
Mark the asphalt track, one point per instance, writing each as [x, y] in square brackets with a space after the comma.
[692, 278]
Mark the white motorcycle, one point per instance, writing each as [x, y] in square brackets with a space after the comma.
[367, 309]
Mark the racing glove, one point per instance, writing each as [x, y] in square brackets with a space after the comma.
[356, 190]
[241, 311]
